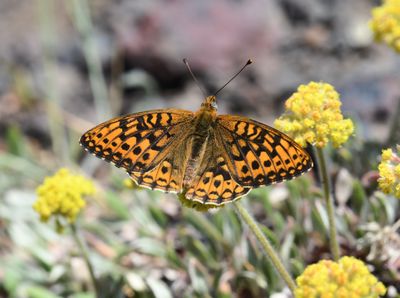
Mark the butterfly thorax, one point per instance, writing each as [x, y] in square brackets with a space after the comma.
[202, 129]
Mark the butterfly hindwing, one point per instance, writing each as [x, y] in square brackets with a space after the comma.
[257, 154]
[165, 177]
[137, 142]
[213, 183]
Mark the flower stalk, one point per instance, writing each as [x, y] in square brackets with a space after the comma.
[269, 250]
[329, 204]
[85, 257]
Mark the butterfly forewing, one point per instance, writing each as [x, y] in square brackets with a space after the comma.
[257, 154]
[138, 142]
[167, 175]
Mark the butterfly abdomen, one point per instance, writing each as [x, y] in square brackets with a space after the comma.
[197, 144]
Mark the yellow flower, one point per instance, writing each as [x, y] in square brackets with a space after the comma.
[385, 23]
[348, 278]
[129, 183]
[313, 116]
[389, 172]
[194, 204]
[387, 154]
[61, 196]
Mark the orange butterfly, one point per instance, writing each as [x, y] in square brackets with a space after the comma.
[212, 159]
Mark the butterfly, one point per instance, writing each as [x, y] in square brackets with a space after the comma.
[211, 159]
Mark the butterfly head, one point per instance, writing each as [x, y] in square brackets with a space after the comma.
[210, 103]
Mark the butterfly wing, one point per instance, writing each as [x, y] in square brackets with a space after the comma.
[168, 174]
[257, 154]
[213, 183]
[138, 142]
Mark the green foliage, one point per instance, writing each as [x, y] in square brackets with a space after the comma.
[145, 241]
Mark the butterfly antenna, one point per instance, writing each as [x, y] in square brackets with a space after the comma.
[194, 77]
[244, 66]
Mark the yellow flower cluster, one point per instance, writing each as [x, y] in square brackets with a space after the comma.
[61, 195]
[348, 278]
[313, 116]
[194, 204]
[385, 23]
[389, 172]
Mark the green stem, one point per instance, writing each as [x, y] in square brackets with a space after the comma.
[83, 23]
[269, 250]
[49, 42]
[394, 132]
[85, 256]
[329, 205]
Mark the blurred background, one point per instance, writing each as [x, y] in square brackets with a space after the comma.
[68, 65]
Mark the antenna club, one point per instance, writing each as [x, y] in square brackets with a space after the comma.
[231, 79]
[185, 60]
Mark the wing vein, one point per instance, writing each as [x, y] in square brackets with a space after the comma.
[257, 157]
[132, 147]
[155, 177]
[228, 152]
[244, 157]
[145, 150]
[241, 137]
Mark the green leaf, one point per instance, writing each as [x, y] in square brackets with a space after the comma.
[202, 253]
[25, 167]
[15, 141]
[279, 222]
[158, 215]
[111, 286]
[40, 292]
[270, 235]
[83, 295]
[224, 295]
[297, 267]
[174, 259]
[148, 226]
[12, 279]
[202, 223]
[286, 247]
[320, 218]
[150, 246]
[135, 281]
[359, 198]
[117, 206]
[197, 279]
[159, 289]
